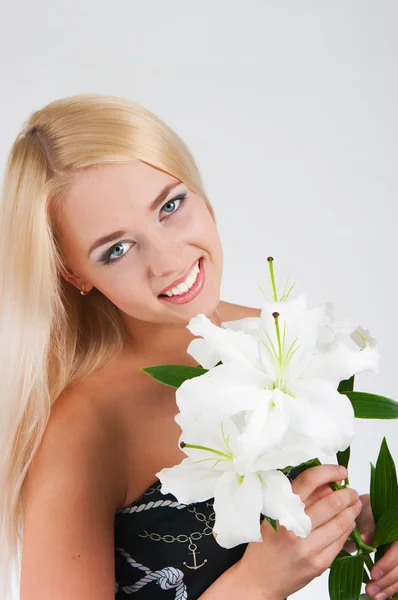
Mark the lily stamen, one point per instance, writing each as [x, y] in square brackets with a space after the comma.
[206, 449]
[273, 284]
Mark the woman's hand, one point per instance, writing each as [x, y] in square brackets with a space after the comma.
[284, 563]
[365, 524]
[384, 574]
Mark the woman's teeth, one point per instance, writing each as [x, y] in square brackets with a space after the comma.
[186, 285]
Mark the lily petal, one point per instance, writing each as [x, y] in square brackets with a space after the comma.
[341, 363]
[298, 327]
[363, 338]
[214, 443]
[321, 412]
[219, 344]
[204, 353]
[223, 391]
[294, 449]
[237, 505]
[279, 502]
[249, 325]
[188, 482]
[265, 428]
[332, 332]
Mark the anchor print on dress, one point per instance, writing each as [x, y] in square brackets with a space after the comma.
[193, 547]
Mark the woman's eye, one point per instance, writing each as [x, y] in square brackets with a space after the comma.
[116, 251]
[174, 204]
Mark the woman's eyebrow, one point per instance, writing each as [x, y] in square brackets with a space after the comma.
[161, 197]
[105, 239]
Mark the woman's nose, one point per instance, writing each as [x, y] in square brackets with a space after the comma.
[165, 259]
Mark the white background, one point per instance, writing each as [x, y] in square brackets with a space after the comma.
[290, 109]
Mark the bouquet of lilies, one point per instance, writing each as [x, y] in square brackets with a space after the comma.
[271, 394]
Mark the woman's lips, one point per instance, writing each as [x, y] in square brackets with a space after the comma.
[180, 279]
[190, 294]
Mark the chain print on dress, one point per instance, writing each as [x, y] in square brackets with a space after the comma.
[191, 538]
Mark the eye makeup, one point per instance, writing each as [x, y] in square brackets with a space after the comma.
[106, 257]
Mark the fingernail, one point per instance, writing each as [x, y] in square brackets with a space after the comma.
[372, 589]
[381, 596]
[359, 504]
[377, 574]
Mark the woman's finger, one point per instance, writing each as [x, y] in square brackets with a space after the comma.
[327, 554]
[318, 494]
[365, 521]
[307, 482]
[387, 585]
[334, 529]
[332, 505]
[386, 565]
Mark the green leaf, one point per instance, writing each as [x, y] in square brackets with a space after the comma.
[383, 484]
[343, 457]
[343, 553]
[273, 523]
[314, 462]
[387, 527]
[380, 552]
[371, 406]
[347, 385]
[345, 578]
[365, 577]
[372, 487]
[173, 375]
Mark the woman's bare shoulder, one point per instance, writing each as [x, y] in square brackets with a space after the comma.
[83, 429]
[233, 312]
[75, 484]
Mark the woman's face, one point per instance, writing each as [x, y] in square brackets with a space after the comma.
[150, 244]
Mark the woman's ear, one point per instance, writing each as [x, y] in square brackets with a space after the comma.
[66, 273]
[70, 277]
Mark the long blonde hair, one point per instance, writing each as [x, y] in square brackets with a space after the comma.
[49, 337]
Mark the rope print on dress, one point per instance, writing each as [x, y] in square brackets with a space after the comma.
[167, 578]
[149, 505]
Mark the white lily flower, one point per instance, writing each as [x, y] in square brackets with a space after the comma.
[363, 339]
[281, 377]
[241, 489]
[331, 332]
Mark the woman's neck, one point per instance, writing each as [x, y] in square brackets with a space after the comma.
[152, 341]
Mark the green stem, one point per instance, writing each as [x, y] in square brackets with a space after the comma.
[368, 562]
[355, 534]
[356, 538]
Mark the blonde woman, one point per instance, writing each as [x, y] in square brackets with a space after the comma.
[108, 247]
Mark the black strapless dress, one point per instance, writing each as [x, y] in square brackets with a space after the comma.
[165, 550]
